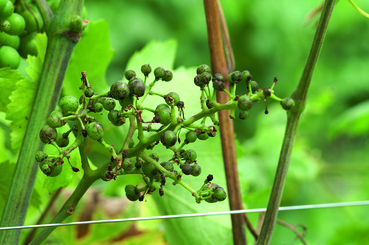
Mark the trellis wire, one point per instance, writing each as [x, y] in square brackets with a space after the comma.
[256, 210]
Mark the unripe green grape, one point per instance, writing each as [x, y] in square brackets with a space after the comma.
[186, 169]
[218, 82]
[116, 118]
[220, 194]
[119, 90]
[95, 130]
[7, 10]
[62, 140]
[2, 3]
[191, 136]
[254, 86]
[202, 135]
[131, 193]
[149, 169]
[203, 68]
[198, 81]
[244, 102]
[168, 138]
[172, 98]
[168, 166]
[129, 74]
[98, 107]
[196, 170]
[28, 45]
[162, 106]
[9, 40]
[168, 76]
[164, 116]
[126, 102]
[190, 155]
[14, 25]
[69, 105]
[159, 73]
[89, 92]
[243, 115]
[146, 69]
[245, 76]
[109, 104]
[47, 134]
[54, 120]
[205, 78]
[34, 21]
[287, 103]
[137, 87]
[234, 77]
[40, 156]
[9, 57]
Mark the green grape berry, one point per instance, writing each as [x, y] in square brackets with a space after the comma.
[162, 106]
[137, 87]
[109, 104]
[168, 138]
[244, 102]
[33, 21]
[47, 134]
[198, 81]
[95, 130]
[196, 170]
[69, 105]
[9, 57]
[190, 155]
[119, 90]
[146, 69]
[168, 166]
[40, 156]
[28, 45]
[149, 169]
[62, 140]
[219, 194]
[254, 86]
[287, 103]
[168, 76]
[218, 82]
[243, 115]
[116, 118]
[9, 40]
[89, 92]
[7, 10]
[159, 73]
[132, 193]
[14, 25]
[130, 74]
[205, 78]
[203, 68]
[202, 135]
[55, 119]
[172, 98]
[191, 136]
[164, 116]
[246, 76]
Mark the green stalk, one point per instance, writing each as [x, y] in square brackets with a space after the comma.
[293, 116]
[59, 49]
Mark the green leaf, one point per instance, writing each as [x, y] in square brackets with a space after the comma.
[92, 55]
[6, 174]
[21, 99]
[8, 80]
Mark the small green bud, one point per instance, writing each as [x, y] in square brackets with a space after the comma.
[243, 115]
[137, 87]
[132, 193]
[168, 166]
[76, 24]
[186, 169]
[234, 77]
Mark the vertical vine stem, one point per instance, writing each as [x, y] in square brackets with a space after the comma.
[293, 116]
[58, 52]
[219, 65]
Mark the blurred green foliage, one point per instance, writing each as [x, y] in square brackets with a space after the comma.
[271, 39]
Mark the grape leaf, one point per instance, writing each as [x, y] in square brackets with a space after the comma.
[6, 174]
[8, 80]
[92, 54]
[21, 99]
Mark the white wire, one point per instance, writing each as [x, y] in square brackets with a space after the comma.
[256, 210]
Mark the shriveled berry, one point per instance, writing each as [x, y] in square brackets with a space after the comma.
[40, 156]
[191, 136]
[109, 104]
[129, 74]
[202, 68]
[146, 69]
[168, 76]
[168, 166]
[119, 90]
[244, 102]
[95, 130]
[89, 92]
[287, 103]
[159, 73]
[68, 104]
[54, 120]
[137, 87]
[168, 138]
[172, 98]
[47, 134]
[196, 170]
[186, 169]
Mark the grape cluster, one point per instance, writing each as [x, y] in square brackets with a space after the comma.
[19, 23]
[123, 103]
